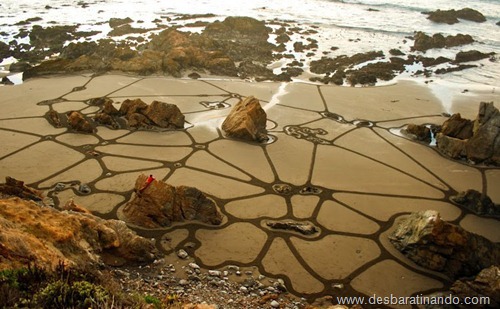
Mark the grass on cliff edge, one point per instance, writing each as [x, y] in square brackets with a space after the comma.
[35, 287]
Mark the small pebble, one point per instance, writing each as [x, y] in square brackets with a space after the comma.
[182, 254]
[275, 304]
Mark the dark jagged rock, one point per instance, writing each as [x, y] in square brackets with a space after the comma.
[451, 16]
[20, 66]
[370, 73]
[14, 187]
[450, 146]
[54, 118]
[6, 81]
[248, 69]
[396, 52]
[247, 120]
[424, 42]
[440, 246]
[471, 55]
[477, 202]
[300, 227]
[115, 22]
[126, 29]
[4, 51]
[130, 107]
[460, 67]
[428, 62]
[160, 204]
[79, 123]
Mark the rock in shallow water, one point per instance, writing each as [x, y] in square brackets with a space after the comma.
[479, 203]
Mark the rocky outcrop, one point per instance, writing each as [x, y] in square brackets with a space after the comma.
[479, 203]
[478, 140]
[160, 204]
[484, 145]
[424, 42]
[14, 187]
[430, 242]
[247, 120]
[79, 123]
[452, 16]
[41, 234]
[471, 55]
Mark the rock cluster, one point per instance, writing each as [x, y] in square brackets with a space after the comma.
[159, 204]
[440, 246]
[37, 233]
[424, 42]
[452, 16]
[247, 120]
[478, 140]
[477, 202]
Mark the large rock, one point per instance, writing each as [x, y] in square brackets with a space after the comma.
[478, 141]
[424, 42]
[165, 115]
[160, 204]
[418, 132]
[247, 120]
[79, 123]
[33, 233]
[484, 145]
[14, 187]
[471, 55]
[477, 202]
[440, 246]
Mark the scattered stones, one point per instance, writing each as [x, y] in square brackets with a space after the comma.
[301, 227]
[158, 204]
[247, 120]
[477, 202]
[440, 246]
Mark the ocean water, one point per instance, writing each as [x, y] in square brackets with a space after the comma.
[351, 25]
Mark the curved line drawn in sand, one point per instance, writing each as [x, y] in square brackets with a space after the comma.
[349, 178]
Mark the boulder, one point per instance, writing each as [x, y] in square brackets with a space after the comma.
[247, 120]
[430, 242]
[479, 203]
[160, 204]
[300, 227]
[79, 123]
[424, 42]
[484, 145]
[130, 107]
[165, 115]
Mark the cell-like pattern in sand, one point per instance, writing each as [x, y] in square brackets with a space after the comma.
[333, 163]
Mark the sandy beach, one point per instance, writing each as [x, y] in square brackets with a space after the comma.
[337, 149]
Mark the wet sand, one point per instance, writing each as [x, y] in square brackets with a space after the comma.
[347, 173]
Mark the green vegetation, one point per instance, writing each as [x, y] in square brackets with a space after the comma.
[35, 287]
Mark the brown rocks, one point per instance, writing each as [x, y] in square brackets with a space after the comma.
[247, 120]
[424, 42]
[418, 132]
[78, 122]
[478, 141]
[14, 187]
[471, 55]
[451, 16]
[165, 115]
[159, 204]
[54, 118]
[440, 246]
[477, 202]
